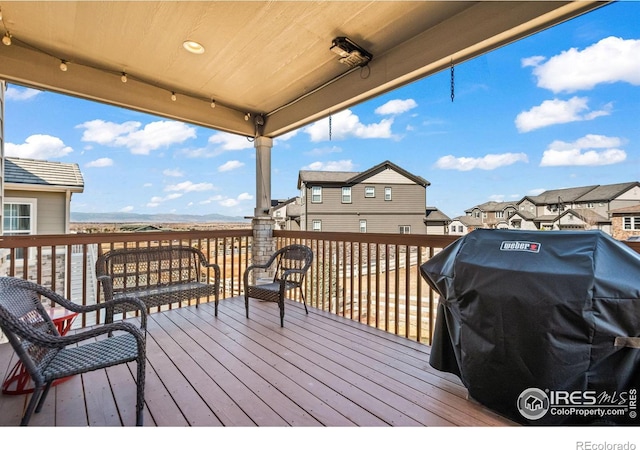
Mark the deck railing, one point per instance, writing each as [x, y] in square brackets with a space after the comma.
[373, 278]
[66, 263]
[370, 278]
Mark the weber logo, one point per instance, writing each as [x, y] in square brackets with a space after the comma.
[520, 246]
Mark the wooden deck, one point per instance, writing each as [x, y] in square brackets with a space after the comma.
[319, 370]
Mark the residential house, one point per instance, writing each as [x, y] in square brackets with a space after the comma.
[462, 225]
[492, 214]
[37, 196]
[625, 222]
[578, 208]
[286, 213]
[383, 199]
[436, 221]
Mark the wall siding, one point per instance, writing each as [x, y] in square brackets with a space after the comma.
[50, 210]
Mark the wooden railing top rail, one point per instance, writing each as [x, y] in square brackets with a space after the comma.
[423, 240]
[93, 238]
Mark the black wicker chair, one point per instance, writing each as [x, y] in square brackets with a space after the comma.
[291, 264]
[47, 356]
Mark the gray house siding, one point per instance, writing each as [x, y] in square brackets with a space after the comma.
[51, 207]
[404, 208]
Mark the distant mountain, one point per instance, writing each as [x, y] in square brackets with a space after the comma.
[118, 217]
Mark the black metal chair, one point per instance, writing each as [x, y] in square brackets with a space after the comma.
[48, 356]
[291, 264]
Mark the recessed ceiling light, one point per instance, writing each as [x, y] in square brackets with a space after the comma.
[193, 47]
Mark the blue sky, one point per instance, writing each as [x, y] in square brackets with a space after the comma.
[557, 109]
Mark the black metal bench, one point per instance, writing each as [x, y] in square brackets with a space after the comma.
[158, 276]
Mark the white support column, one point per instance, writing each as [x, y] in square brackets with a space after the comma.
[262, 224]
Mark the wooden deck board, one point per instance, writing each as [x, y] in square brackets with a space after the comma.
[319, 370]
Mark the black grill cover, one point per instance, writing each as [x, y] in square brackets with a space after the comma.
[539, 309]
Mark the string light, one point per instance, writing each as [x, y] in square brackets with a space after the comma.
[6, 39]
[124, 77]
[247, 116]
[213, 104]
[63, 65]
[173, 96]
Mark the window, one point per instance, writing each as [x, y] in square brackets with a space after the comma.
[363, 226]
[316, 225]
[387, 194]
[346, 195]
[369, 192]
[19, 219]
[476, 214]
[316, 194]
[499, 214]
[631, 223]
[484, 214]
[405, 229]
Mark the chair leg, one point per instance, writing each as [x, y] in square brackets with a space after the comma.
[246, 303]
[140, 391]
[43, 397]
[37, 394]
[281, 306]
[304, 302]
[216, 303]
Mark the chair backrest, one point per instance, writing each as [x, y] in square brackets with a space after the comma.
[150, 266]
[24, 320]
[294, 256]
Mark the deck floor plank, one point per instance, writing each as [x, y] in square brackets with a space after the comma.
[318, 370]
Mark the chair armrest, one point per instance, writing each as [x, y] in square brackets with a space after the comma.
[107, 286]
[55, 341]
[71, 306]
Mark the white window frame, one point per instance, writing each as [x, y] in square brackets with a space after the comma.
[405, 229]
[316, 194]
[363, 225]
[499, 214]
[316, 225]
[387, 194]
[346, 194]
[631, 222]
[33, 209]
[369, 192]
[33, 225]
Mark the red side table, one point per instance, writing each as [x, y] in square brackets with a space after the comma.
[18, 381]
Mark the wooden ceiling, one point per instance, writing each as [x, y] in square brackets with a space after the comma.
[271, 59]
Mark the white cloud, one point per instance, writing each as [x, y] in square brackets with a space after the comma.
[156, 200]
[20, 94]
[38, 146]
[590, 150]
[226, 141]
[345, 124]
[127, 209]
[230, 165]
[345, 165]
[552, 112]
[396, 107]
[100, 162]
[532, 61]
[173, 173]
[610, 60]
[230, 202]
[188, 186]
[140, 141]
[487, 162]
